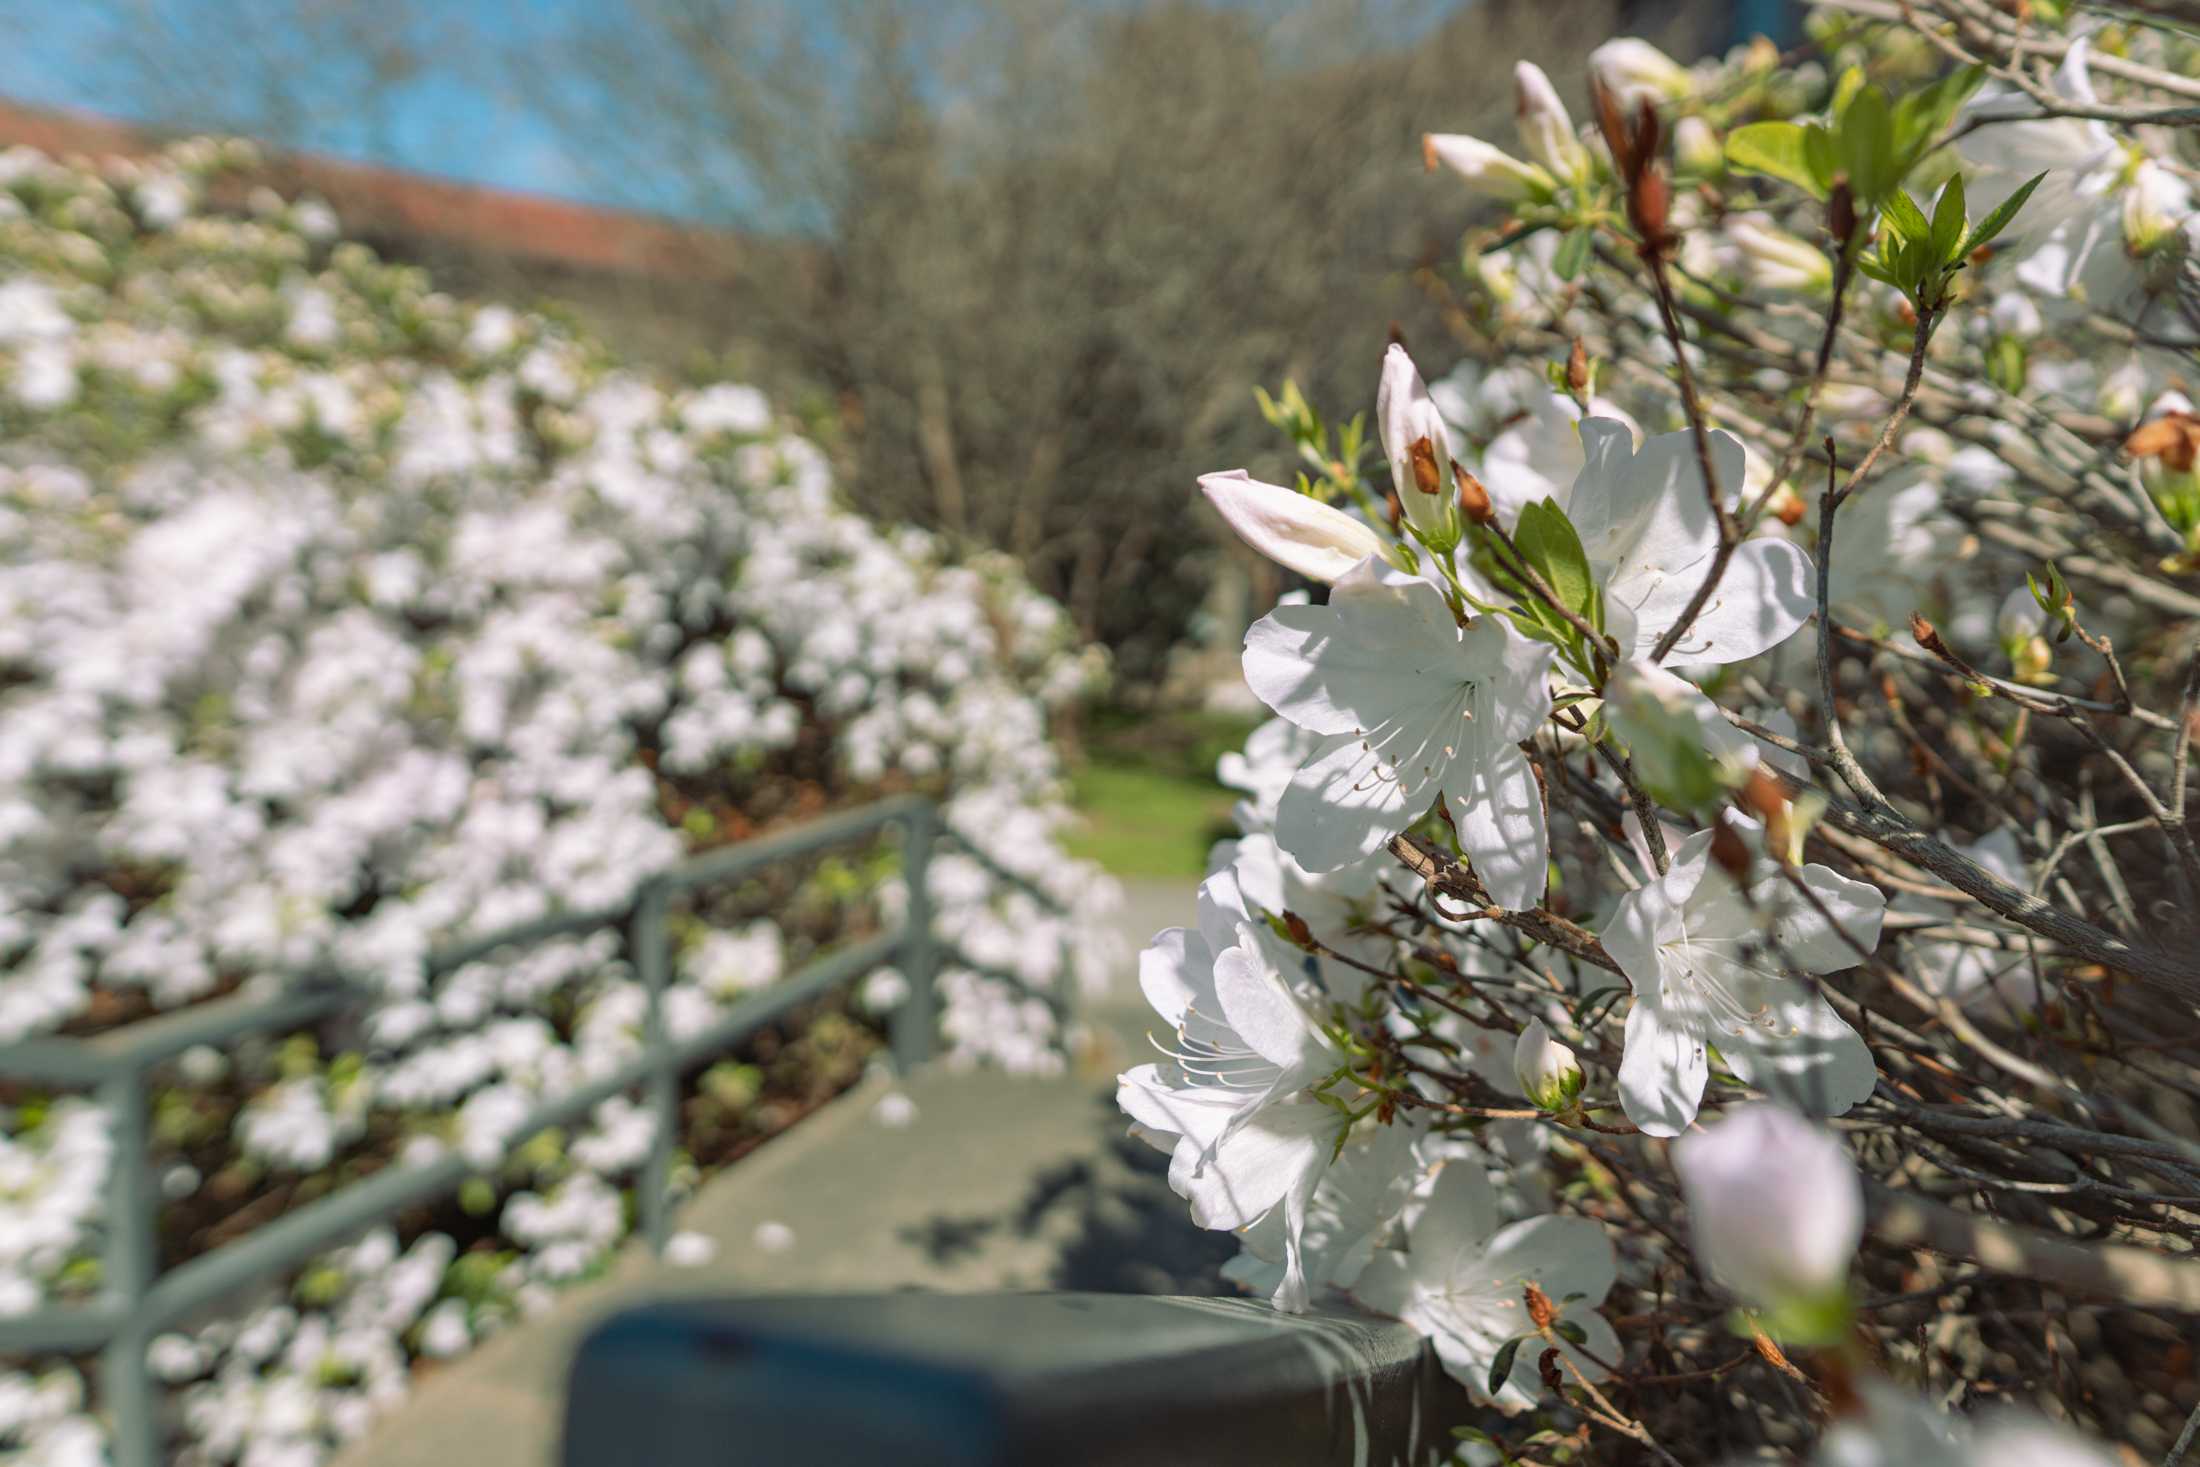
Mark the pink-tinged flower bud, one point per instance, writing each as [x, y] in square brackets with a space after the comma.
[1294, 531]
[1548, 1073]
[1488, 170]
[1774, 1206]
[1546, 131]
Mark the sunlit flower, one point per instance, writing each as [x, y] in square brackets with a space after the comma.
[1463, 1277]
[1408, 704]
[1718, 964]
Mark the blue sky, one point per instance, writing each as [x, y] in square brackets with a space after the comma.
[457, 120]
[460, 117]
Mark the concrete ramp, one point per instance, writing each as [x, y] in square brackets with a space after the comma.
[995, 1182]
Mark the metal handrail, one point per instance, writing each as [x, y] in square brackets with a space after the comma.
[137, 1299]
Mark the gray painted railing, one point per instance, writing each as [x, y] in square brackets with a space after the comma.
[137, 1301]
[1005, 1380]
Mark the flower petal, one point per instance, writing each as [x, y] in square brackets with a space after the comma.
[1661, 1073]
[1768, 590]
[1499, 816]
[1292, 529]
[1385, 644]
[1342, 805]
[1806, 1055]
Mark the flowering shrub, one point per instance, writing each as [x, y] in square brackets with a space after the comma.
[340, 620]
[1749, 705]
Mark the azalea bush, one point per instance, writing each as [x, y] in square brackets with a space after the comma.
[1712, 942]
[341, 620]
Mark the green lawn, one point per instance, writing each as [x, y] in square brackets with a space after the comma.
[1147, 794]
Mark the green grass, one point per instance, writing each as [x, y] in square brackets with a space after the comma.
[1147, 794]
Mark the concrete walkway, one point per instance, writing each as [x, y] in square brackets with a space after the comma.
[996, 1183]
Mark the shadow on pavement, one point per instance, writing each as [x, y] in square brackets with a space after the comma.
[1122, 1230]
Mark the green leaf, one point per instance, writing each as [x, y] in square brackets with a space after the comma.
[1949, 221]
[1905, 218]
[1573, 253]
[1920, 115]
[1548, 543]
[1818, 155]
[1995, 222]
[1501, 1368]
[1867, 145]
[1571, 1332]
[1877, 269]
[1776, 150]
[1845, 88]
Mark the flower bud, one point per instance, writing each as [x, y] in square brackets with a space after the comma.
[1697, 150]
[1730, 850]
[2122, 390]
[1777, 260]
[1548, 1073]
[1419, 448]
[1546, 131]
[1296, 532]
[1636, 70]
[2154, 201]
[1774, 1206]
[2018, 617]
[1474, 499]
[1684, 751]
[1650, 206]
[1487, 170]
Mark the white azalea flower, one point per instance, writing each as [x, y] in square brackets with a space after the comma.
[1463, 1278]
[1338, 906]
[1539, 455]
[1262, 770]
[1774, 1205]
[2088, 231]
[1713, 968]
[1242, 1030]
[1296, 532]
[1408, 703]
[1356, 1201]
[1647, 526]
[1896, 1429]
[1236, 1167]
[1890, 542]
[1947, 968]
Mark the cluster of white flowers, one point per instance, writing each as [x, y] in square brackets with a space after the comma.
[1534, 769]
[341, 619]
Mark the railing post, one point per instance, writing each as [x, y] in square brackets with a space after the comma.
[1065, 996]
[917, 1018]
[646, 936]
[128, 1262]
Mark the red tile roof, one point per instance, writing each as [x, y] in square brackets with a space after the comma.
[392, 203]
